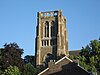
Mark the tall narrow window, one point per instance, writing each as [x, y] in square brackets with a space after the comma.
[42, 43]
[45, 32]
[46, 29]
[51, 42]
[52, 29]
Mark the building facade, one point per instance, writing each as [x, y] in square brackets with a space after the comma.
[51, 37]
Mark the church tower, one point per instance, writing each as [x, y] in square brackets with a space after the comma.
[51, 37]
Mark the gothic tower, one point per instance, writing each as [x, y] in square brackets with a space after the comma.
[51, 37]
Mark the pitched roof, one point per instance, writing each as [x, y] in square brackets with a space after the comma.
[61, 65]
[65, 57]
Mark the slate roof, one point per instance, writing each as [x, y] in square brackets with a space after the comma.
[64, 66]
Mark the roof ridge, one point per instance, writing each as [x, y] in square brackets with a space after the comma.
[43, 71]
[63, 58]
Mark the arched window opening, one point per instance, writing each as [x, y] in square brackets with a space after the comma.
[52, 28]
[46, 29]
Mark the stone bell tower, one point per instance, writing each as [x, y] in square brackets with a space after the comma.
[51, 37]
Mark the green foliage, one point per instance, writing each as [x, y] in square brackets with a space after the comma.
[11, 55]
[11, 62]
[92, 54]
[29, 70]
[1, 72]
[29, 59]
[89, 57]
[12, 71]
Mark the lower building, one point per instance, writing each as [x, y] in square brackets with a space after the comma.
[64, 66]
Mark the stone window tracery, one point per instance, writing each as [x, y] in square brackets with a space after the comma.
[49, 34]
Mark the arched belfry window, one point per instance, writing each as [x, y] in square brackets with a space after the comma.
[46, 29]
[52, 28]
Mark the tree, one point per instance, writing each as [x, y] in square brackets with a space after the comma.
[29, 59]
[89, 57]
[1, 71]
[11, 55]
[92, 55]
[12, 70]
[29, 70]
